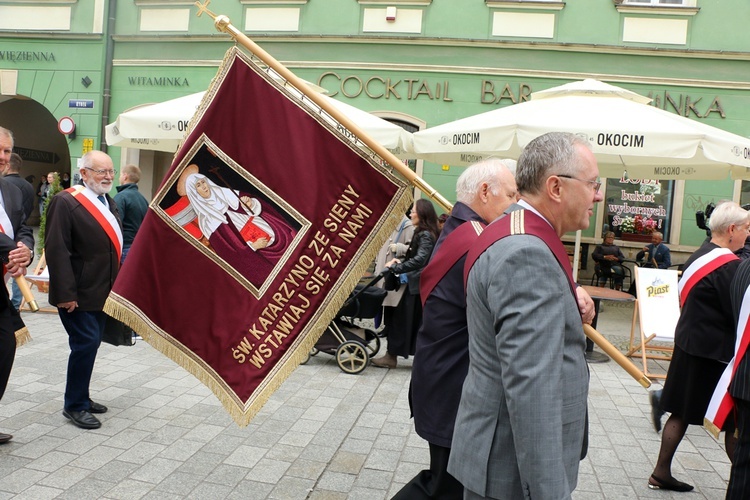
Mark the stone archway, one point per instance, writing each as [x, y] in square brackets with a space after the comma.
[43, 148]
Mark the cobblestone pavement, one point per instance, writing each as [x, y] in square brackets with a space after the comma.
[323, 435]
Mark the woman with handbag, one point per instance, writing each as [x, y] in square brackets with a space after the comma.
[403, 321]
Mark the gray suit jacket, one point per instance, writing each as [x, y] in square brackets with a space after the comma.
[522, 419]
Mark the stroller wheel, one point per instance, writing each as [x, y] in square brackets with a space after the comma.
[307, 358]
[314, 351]
[352, 357]
[372, 342]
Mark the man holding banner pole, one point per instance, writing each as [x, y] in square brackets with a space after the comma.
[484, 191]
[83, 244]
[521, 427]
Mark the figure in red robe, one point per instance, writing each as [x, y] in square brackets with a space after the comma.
[249, 236]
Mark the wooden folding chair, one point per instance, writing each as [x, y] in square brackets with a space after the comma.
[39, 279]
[658, 309]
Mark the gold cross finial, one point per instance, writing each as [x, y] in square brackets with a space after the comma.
[203, 7]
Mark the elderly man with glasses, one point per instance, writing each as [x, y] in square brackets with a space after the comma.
[83, 244]
[521, 427]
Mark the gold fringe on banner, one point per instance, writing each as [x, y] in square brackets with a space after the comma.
[710, 427]
[22, 336]
[242, 412]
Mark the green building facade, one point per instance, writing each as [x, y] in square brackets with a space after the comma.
[420, 62]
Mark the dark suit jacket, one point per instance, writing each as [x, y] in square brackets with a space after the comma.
[416, 259]
[82, 260]
[12, 201]
[706, 328]
[740, 386]
[661, 255]
[442, 356]
[27, 192]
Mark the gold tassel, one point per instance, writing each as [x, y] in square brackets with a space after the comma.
[22, 336]
[710, 427]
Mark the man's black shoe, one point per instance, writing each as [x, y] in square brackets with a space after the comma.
[97, 408]
[4, 438]
[82, 419]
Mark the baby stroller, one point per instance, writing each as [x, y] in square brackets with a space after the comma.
[351, 344]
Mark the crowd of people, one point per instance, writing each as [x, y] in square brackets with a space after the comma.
[499, 378]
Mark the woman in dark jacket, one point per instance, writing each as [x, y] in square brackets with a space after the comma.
[403, 321]
[704, 341]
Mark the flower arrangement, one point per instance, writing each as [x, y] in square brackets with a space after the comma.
[638, 225]
[628, 225]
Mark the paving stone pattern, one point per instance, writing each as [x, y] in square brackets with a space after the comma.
[323, 435]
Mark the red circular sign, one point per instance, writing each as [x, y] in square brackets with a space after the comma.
[66, 125]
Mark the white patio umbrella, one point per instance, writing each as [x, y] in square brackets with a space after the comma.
[625, 133]
[162, 126]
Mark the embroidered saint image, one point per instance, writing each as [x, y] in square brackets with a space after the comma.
[232, 218]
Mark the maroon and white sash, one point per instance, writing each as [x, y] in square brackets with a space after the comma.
[451, 250]
[101, 213]
[702, 267]
[521, 222]
[722, 404]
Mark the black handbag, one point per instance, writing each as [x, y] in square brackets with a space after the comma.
[391, 282]
[117, 333]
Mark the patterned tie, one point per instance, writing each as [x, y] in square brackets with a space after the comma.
[102, 199]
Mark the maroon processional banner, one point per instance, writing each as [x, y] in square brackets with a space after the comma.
[265, 222]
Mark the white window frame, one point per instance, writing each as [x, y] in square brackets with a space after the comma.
[662, 3]
[526, 4]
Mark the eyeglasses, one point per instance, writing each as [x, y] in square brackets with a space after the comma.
[101, 172]
[596, 184]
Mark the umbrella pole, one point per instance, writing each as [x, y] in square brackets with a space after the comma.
[223, 24]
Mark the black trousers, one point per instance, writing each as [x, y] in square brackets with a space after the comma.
[7, 347]
[435, 483]
[739, 480]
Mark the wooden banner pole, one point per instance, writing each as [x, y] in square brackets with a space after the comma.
[23, 286]
[615, 354]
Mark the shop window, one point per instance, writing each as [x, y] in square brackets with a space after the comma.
[635, 208]
[665, 7]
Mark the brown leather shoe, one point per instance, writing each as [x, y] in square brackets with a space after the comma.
[4, 438]
[386, 361]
